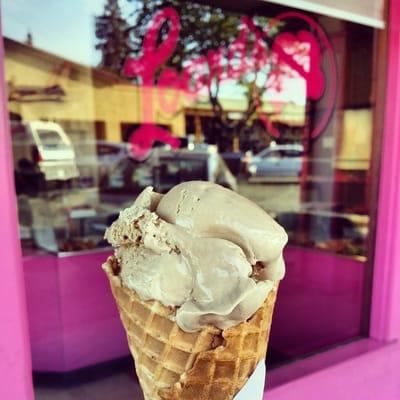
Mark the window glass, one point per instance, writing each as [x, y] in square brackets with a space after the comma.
[273, 154]
[51, 139]
[269, 101]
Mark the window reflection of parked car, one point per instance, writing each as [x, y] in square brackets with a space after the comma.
[42, 152]
[178, 166]
[163, 170]
[96, 158]
[100, 152]
[128, 177]
[279, 160]
[110, 153]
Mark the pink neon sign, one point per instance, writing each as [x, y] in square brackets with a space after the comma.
[317, 84]
[298, 55]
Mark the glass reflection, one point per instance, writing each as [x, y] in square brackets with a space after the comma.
[276, 106]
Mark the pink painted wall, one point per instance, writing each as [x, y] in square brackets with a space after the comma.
[385, 317]
[73, 319]
[15, 362]
[44, 312]
[317, 285]
[92, 329]
[372, 375]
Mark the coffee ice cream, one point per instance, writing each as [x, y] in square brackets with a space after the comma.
[201, 249]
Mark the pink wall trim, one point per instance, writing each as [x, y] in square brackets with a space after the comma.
[370, 375]
[319, 361]
[15, 361]
[385, 315]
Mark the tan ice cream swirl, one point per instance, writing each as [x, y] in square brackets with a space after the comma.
[209, 252]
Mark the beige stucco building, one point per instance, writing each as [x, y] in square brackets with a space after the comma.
[87, 102]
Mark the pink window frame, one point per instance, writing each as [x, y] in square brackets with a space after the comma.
[15, 360]
[367, 369]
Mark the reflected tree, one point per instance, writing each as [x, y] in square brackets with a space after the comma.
[111, 30]
[203, 30]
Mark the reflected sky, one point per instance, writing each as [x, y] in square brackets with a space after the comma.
[66, 28]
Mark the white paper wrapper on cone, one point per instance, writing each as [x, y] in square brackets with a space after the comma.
[254, 388]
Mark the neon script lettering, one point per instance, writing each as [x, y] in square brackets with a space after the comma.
[291, 55]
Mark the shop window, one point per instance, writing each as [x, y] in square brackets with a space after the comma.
[275, 103]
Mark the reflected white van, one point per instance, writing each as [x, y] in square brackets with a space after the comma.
[43, 146]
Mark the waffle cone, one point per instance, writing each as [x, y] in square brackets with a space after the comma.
[171, 364]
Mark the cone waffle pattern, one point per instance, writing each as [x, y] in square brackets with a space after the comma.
[175, 365]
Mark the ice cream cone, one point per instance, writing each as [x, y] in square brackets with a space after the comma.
[171, 364]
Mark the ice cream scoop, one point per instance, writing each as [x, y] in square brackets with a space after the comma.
[208, 252]
[209, 210]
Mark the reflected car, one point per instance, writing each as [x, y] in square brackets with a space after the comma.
[43, 156]
[96, 159]
[103, 152]
[100, 155]
[163, 170]
[128, 176]
[279, 160]
[176, 166]
[43, 148]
